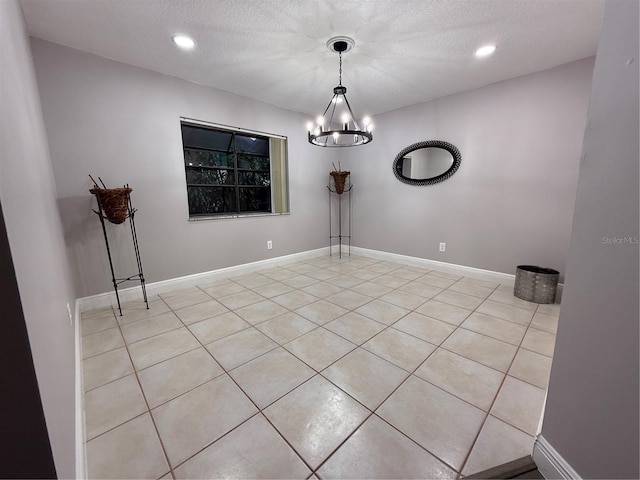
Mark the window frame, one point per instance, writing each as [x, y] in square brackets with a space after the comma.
[280, 188]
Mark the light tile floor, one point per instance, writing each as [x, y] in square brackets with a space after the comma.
[338, 368]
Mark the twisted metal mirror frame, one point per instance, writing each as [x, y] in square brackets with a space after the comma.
[455, 153]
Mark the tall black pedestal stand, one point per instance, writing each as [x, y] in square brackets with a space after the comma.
[340, 236]
[140, 275]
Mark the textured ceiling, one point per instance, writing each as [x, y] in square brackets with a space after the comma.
[407, 51]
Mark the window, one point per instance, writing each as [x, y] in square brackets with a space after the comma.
[232, 172]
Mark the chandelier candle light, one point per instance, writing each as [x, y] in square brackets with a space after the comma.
[337, 127]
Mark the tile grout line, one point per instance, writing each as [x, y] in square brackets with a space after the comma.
[504, 379]
[259, 412]
[357, 346]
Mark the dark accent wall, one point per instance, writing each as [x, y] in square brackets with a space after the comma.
[25, 451]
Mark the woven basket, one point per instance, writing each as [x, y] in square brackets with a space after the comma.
[536, 284]
[114, 202]
[339, 178]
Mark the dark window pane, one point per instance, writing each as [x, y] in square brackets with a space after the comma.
[252, 162]
[255, 199]
[208, 200]
[209, 176]
[226, 172]
[254, 178]
[199, 137]
[207, 158]
[255, 145]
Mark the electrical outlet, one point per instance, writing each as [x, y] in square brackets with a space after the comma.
[443, 247]
[70, 315]
[269, 244]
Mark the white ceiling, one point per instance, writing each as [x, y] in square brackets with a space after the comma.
[407, 51]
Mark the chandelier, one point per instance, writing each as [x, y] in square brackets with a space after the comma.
[338, 127]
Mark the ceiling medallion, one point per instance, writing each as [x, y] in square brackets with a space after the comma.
[338, 127]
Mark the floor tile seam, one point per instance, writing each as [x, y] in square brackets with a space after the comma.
[439, 320]
[386, 359]
[247, 361]
[163, 360]
[197, 302]
[534, 311]
[412, 374]
[377, 415]
[82, 335]
[100, 311]
[476, 361]
[500, 318]
[488, 413]
[299, 455]
[476, 437]
[224, 369]
[111, 429]
[110, 381]
[188, 325]
[330, 364]
[525, 381]
[445, 303]
[146, 402]
[532, 435]
[380, 357]
[552, 332]
[106, 351]
[348, 339]
[315, 327]
[483, 297]
[530, 312]
[209, 444]
[101, 331]
[420, 338]
[121, 324]
[154, 335]
[333, 452]
[164, 402]
[448, 302]
[378, 321]
[504, 379]
[271, 402]
[534, 351]
[490, 336]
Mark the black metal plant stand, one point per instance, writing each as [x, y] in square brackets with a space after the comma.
[140, 275]
[340, 236]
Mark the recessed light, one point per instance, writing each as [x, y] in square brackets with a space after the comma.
[485, 51]
[183, 42]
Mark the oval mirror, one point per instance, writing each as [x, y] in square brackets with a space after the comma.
[426, 163]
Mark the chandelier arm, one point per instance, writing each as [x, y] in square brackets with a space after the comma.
[333, 110]
[355, 123]
[329, 106]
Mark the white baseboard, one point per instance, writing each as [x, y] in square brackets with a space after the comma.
[81, 452]
[550, 463]
[102, 300]
[480, 274]
[135, 293]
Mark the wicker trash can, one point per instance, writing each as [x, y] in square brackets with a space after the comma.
[536, 284]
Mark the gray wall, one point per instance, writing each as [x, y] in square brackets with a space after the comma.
[121, 123]
[591, 417]
[28, 198]
[512, 199]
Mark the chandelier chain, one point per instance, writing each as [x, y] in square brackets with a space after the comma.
[340, 80]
